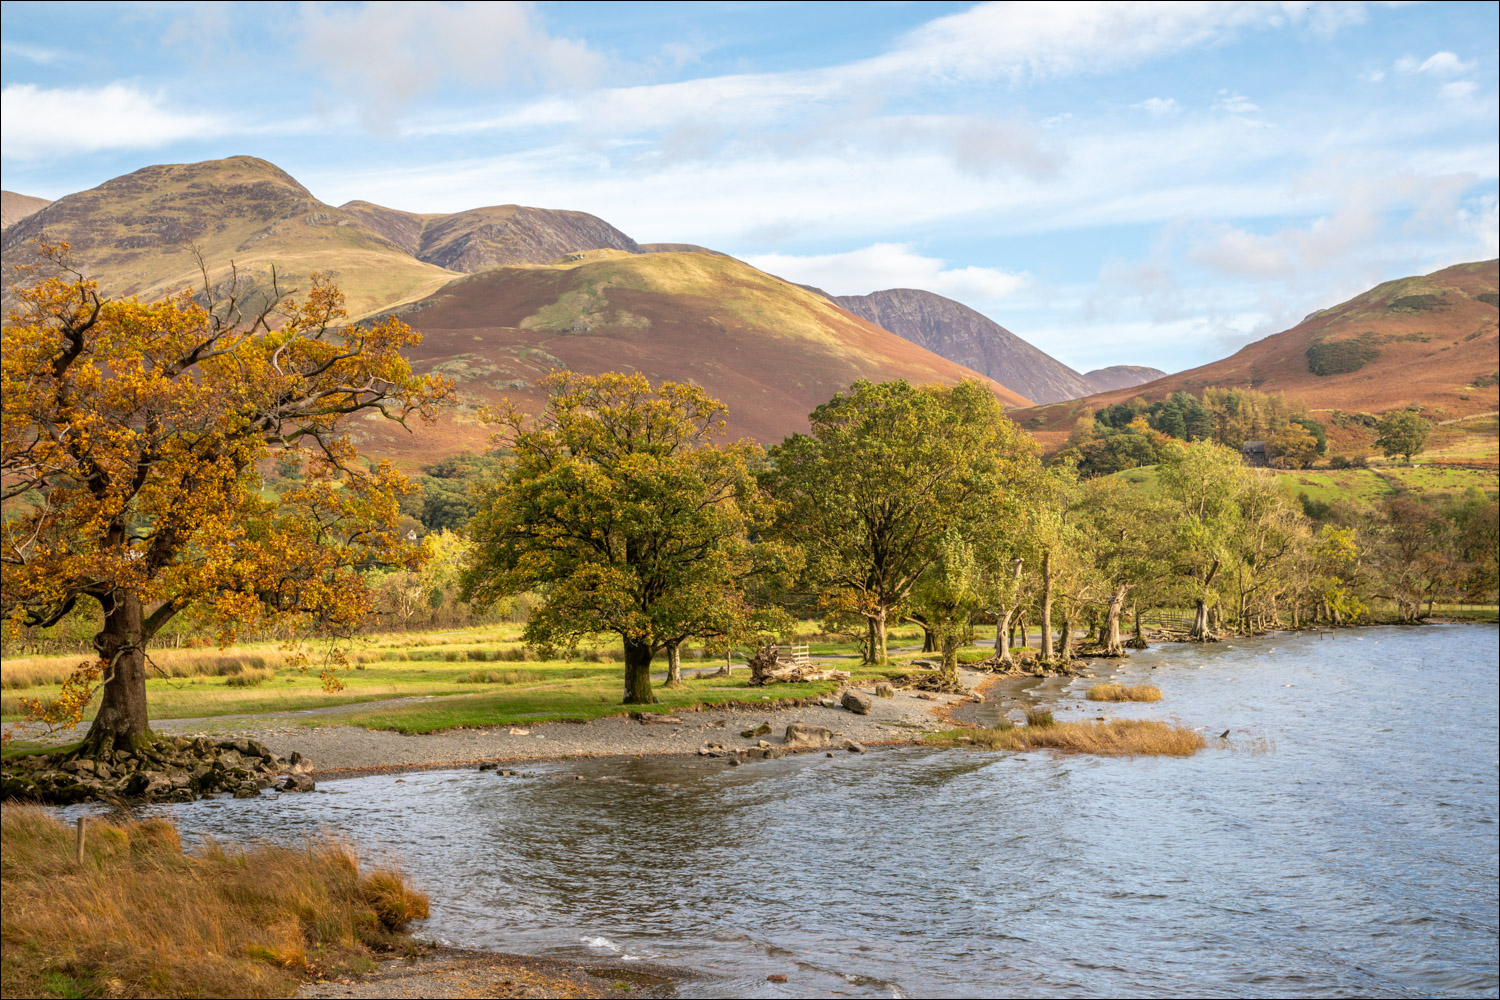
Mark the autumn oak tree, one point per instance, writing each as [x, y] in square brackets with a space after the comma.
[625, 511]
[132, 438]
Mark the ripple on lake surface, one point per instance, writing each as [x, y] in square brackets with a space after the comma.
[1342, 843]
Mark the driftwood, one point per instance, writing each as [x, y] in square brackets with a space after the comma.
[767, 668]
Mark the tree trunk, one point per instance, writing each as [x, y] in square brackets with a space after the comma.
[877, 636]
[1138, 641]
[638, 674]
[1065, 641]
[1112, 644]
[870, 641]
[1004, 628]
[122, 723]
[674, 665]
[1200, 620]
[950, 659]
[929, 640]
[1047, 606]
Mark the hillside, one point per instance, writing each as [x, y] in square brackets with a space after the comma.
[15, 207]
[1122, 376]
[136, 233]
[1430, 341]
[970, 338]
[491, 237]
[770, 350]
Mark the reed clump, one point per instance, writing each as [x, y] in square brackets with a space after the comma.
[502, 677]
[1124, 692]
[1118, 737]
[142, 918]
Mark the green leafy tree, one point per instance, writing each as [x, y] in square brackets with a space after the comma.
[1126, 544]
[1402, 432]
[621, 506]
[1201, 482]
[885, 472]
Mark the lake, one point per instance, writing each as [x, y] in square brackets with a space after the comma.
[1341, 842]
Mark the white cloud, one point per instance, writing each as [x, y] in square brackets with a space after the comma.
[1438, 64]
[891, 265]
[1159, 107]
[1235, 104]
[1458, 90]
[1236, 252]
[31, 53]
[384, 54]
[41, 122]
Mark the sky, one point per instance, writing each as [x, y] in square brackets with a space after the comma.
[1118, 183]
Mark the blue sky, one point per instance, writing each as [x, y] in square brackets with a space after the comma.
[1118, 183]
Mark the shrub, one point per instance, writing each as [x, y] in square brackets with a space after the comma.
[1039, 718]
[1340, 357]
[1114, 737]
[1124, 692]
[1489, 297]
[252, 677]
[1417, 303]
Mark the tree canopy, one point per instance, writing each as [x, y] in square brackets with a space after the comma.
[623, 508]
[133, 434]
[885, 472]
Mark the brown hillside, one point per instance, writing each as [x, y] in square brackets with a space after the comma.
[770, 350]
[1122, 376]
[491, 237]
[1432, 341]
[135, 234]
[15, 207]
[970, 338]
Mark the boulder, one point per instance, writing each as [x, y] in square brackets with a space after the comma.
[654, 719]
[854, 747]
[765, 753]
[857, 702]
[800, 734]
[885, 689]
[760, 730]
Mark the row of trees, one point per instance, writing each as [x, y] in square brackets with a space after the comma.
[626, 513]
[135, 439]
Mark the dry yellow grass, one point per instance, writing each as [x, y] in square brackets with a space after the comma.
[1124, 692]
[1114, 737]
[140, 917]
[19, 673]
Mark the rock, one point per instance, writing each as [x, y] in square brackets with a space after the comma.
[776, 977]
[924, 695]
[857, 702]
[487, 767]
[800, 734]
[297, 783]
[828, 702]
[230, 759]
[248, 790]
[926, 664]
[734, 762]
[854, 747]
[760, 730]
[885, 689]
[765, 753]
[653, 719]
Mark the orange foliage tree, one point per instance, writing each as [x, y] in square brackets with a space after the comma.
[132, 437]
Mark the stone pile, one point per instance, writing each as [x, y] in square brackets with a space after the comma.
[173, 769]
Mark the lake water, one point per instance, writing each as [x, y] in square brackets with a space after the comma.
[1341, 842]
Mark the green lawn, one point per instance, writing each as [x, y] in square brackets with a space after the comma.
[464, 677]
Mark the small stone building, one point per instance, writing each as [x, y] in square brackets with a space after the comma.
[1255, 454]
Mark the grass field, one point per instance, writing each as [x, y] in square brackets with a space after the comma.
[467, 677]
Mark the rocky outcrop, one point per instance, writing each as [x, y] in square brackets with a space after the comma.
[800, 734]
[174, 769]
[972, 339]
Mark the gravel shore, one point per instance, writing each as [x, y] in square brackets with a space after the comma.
[336, 749]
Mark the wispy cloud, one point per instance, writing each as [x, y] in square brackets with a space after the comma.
[1159, 107]
[1438, 64]
[891, 265]
[42, 122]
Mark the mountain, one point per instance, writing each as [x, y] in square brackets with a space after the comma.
[1122, 376]
[15, 207]
[1431, 341]
[970, 338]
[491, 237]
[136, 233]
[771, 351]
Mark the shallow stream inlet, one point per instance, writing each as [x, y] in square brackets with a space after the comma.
[1341, 842]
